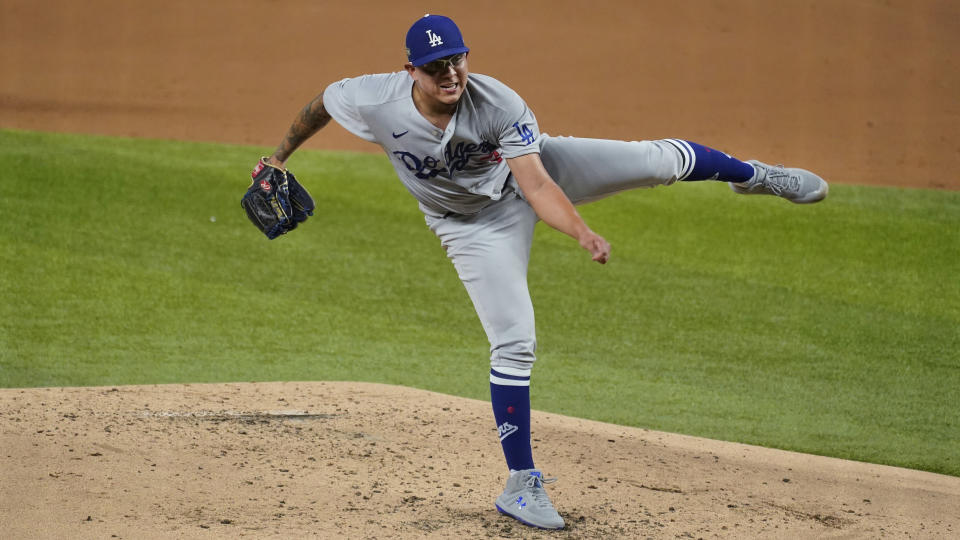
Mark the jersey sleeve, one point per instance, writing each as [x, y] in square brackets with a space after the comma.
[516, 126]
[341, 100]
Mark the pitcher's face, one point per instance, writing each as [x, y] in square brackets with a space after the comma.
[442, 80]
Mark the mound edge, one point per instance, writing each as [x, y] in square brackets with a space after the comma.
[299, 459]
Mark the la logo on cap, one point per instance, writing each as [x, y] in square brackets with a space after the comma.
[443, 39]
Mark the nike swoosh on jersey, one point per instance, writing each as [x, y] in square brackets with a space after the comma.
[398, 135]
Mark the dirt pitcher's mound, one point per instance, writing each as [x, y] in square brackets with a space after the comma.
[368, 460]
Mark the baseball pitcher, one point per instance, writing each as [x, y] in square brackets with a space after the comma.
[469, 150]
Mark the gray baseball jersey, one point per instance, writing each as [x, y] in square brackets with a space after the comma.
[460, 169]
[459, 176]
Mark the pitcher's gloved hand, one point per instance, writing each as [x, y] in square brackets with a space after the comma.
[275, 202]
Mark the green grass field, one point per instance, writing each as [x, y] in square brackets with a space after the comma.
[830, 329]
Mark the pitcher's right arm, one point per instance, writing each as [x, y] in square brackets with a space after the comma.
[312, 118]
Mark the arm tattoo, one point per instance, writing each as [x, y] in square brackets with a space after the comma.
[310, 120]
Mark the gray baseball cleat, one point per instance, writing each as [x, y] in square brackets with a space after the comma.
[525, 500]
[795, 185]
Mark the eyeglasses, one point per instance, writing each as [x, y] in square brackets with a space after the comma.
[441, 65]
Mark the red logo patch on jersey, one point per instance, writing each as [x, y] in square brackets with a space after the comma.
[493, 156]
[265, 185]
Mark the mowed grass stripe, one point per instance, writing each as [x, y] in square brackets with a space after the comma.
[829, 329]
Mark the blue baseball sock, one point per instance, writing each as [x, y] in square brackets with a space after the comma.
[510, 396]
[702, 163]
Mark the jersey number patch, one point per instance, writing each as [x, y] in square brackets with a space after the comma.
[526, 135]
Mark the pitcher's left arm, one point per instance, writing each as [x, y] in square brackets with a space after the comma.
[552, 205]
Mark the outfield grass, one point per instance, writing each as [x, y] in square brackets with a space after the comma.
[830, 329]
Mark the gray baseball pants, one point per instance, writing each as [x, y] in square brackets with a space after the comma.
[491, 249]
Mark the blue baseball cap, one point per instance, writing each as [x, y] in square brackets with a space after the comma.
[432, 37]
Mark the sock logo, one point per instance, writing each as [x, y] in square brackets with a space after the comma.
[506, 429]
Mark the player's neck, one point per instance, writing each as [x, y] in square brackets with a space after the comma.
[436, 112]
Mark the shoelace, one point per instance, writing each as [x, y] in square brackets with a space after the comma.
[540, 497]
[778, 180]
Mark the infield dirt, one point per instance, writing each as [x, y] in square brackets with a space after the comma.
[860, 91]
[353, 460]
